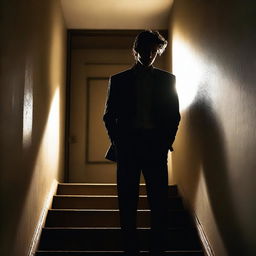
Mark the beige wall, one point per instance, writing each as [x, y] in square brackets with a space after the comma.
[33, 39]
[214, 160]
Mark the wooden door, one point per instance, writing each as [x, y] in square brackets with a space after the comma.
[91, 70]
[88, 141]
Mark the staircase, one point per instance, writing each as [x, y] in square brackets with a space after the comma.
[84, 221]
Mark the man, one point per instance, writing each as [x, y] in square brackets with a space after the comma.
[142, 117]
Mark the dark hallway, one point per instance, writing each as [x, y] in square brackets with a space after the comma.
[211, 52]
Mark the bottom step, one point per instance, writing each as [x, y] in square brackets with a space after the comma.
[113, 253]
[109, 239]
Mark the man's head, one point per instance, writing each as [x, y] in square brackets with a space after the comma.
[147, 45]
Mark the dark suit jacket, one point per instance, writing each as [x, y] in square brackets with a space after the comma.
[120, 109]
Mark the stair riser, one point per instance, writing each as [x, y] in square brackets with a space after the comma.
[68, 232]
[110, 239]
[107, 219]
[80, 189]
[62, 202]
[187, 253]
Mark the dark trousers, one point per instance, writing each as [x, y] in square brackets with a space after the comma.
[145, 151]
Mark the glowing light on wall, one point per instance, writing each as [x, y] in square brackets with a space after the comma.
[188, 71]
[28, 106]
[51, 140]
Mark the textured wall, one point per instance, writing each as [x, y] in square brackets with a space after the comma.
[33, 39]
[214, 163]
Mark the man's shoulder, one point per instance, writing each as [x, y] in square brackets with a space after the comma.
[163, 73]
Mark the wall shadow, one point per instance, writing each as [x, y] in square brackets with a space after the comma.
[222, 36]
[207, 154]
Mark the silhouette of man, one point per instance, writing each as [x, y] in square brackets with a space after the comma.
[141, 117]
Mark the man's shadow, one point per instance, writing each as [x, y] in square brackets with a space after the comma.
[203, 152]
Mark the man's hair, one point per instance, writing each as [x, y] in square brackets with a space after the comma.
[149, 38]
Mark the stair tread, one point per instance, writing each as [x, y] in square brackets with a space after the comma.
[89, 212]
[180, 251]
[82, 253]
[105, 196]
[113, 228]
[89, 184]
[108, 238]
[98, 184]
[98, 188]
[106, 210]
[108, 218]
[104, 202]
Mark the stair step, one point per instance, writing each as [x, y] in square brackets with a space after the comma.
[114, 253]
[102, 239]
[103, 202]
[107, 218]
[100, 189]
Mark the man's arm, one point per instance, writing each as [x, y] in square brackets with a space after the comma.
[110, 116]
[175, 116]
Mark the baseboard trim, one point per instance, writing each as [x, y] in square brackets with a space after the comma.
[208, 251]
[204, 240]
[42, 219]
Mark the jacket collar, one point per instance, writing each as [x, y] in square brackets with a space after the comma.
[137, 67]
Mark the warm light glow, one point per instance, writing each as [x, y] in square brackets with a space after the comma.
[116, 14]
[188, 71]
[28, 106]
[50, 143]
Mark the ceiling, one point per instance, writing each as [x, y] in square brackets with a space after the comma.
[116, 14]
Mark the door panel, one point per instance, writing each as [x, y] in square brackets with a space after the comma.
[97, 140]
[88, 138]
